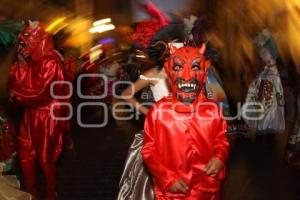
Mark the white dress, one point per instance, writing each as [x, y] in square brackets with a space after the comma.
[266, 90]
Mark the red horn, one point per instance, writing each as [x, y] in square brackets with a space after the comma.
[203, 48]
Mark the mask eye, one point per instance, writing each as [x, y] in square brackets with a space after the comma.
[196, 67]
[177, 67]
[26, 34]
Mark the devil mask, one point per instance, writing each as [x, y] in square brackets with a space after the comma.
[34, 42]
[187, 71]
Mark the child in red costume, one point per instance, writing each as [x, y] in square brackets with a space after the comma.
[41, 134]
[185, 146]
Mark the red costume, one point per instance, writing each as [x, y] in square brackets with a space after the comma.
[41, 135]
[146, 29]
[184, 131]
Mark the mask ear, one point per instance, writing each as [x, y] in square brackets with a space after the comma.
[206, 65]
[203, 48]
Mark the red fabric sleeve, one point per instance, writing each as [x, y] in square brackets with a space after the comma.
[163, 176]
[221, 145]
[34, 89]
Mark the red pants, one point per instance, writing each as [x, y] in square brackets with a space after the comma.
[40, 141]
[194, 195]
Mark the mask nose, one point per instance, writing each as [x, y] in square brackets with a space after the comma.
[186, 74]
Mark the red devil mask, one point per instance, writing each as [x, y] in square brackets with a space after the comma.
[34, 42]
[187, 71]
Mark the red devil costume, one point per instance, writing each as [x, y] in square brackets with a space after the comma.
[40, 137]
[185, 131]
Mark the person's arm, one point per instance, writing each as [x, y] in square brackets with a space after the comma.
[31, 92]
[220, 150]
[130, 91]
[221, 145]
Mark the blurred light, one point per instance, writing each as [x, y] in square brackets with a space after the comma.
[95, 53]
[102, 28]
[293, 28]
[79, 36]
[56, 25]
[102, 21]
[238, 22]
[94, 48]
[140, 56]
[106, 41]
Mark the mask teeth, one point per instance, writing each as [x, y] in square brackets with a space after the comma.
[190, 85]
